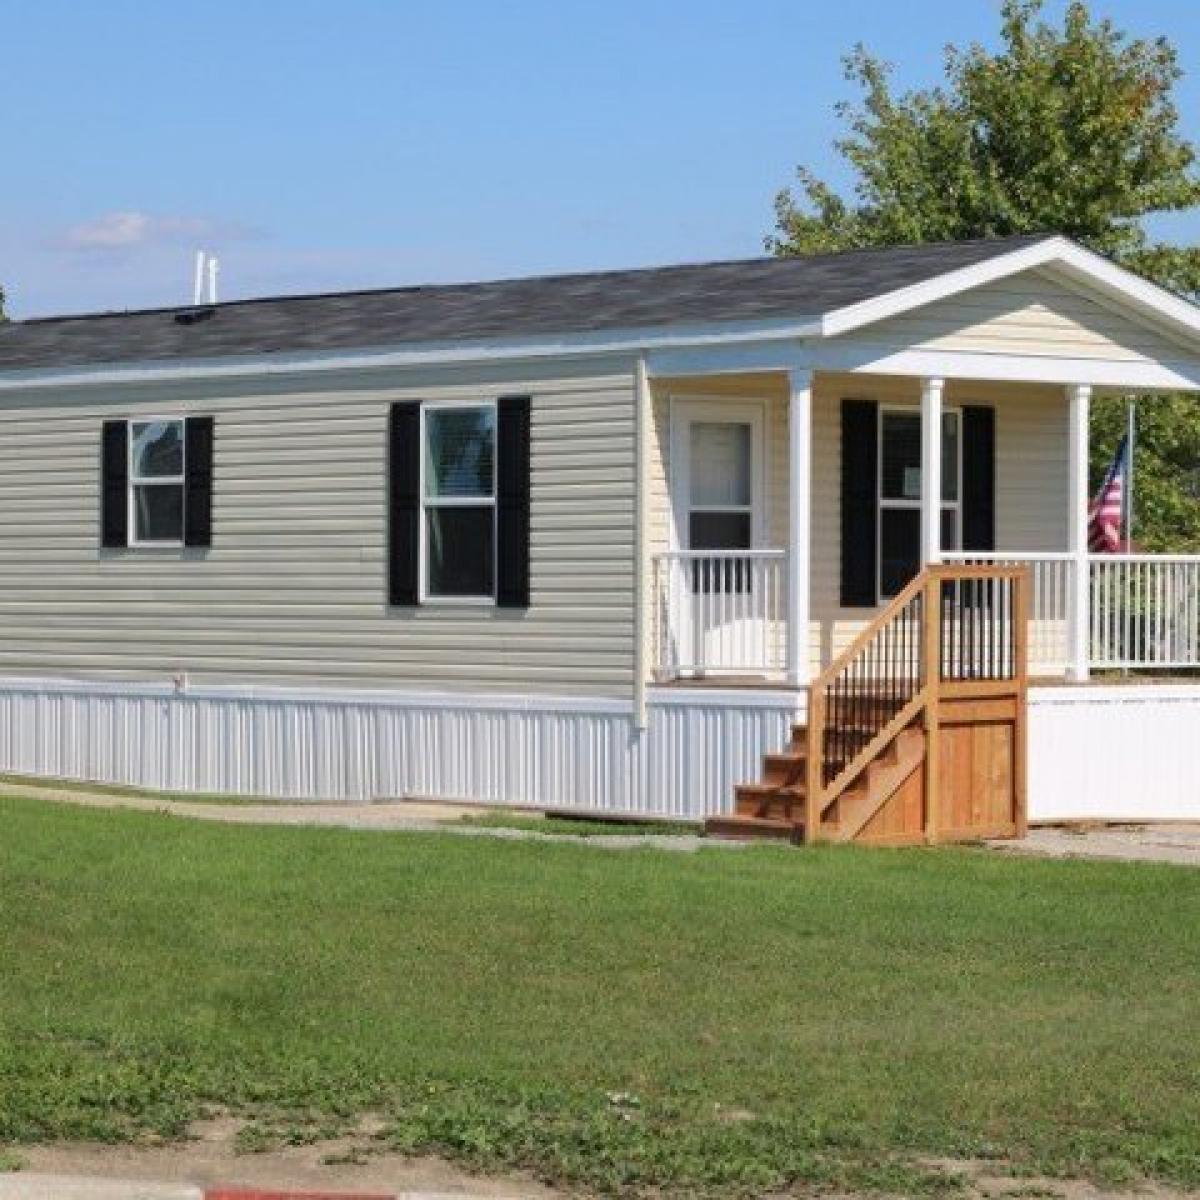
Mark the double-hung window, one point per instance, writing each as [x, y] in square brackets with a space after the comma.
[458, 499]
[156, 482]
[899, 555]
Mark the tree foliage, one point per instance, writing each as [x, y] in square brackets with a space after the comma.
[1069, 129]
[1167, 475]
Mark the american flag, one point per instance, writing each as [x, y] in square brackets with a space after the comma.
[1108, 509]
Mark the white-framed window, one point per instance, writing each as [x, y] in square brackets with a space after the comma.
[157, 451]
[458, 502]
[898, 556]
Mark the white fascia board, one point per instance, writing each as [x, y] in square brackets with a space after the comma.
[1131, 291]
[882, 359]
[697, 338]
[789, 354]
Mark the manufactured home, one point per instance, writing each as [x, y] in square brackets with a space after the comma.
[764, 541]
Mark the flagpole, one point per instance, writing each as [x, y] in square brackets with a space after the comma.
[1131, 436]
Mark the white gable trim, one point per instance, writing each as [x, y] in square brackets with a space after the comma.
[1130, 291]
[884, 359]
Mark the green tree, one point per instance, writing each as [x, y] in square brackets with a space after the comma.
[1070, 129]
[1167, 477]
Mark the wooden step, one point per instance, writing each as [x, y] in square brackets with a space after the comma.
[769, 800]
[785, 768]
[754, 828]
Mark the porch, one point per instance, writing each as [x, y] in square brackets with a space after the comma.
[787, 508]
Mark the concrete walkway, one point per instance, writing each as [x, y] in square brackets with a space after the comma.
[397, 816]
[1166, 843]
[1178, 844]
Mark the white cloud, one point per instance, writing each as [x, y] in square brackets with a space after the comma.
[131, 230]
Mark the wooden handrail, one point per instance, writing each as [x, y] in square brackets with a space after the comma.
[893, 607]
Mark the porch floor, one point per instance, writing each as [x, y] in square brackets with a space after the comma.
[1097, 679]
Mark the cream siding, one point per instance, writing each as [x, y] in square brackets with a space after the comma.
[1034, 313]
[294, 586]
[1031, 457]
[1031, 490]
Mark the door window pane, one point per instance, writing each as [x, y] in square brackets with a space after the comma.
[459, 452]
[156, 449]
[158, 512]
[720, 464]
[460, 547]
[899, 548]
[719, 531]
[901, 456]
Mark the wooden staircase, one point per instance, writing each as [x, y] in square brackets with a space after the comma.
[916, 733]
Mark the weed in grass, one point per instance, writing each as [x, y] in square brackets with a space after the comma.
[10, 1161]
[254, 1138]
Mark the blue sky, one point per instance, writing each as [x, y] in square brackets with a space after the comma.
[363, 143]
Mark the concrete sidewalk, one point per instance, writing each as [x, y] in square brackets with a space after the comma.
[399, 816]
[1164, 843]
[22, 1186]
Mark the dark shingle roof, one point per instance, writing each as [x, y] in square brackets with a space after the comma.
[754, 289]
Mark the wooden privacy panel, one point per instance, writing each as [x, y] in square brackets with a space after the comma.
[978, 771]
[978, 779]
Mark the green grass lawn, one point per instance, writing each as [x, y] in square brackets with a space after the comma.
[730, 1022]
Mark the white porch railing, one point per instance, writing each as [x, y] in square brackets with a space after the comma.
[1144, 609]
[724, 612]
[720, 612]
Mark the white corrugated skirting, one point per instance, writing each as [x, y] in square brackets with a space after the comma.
[361, 745]
[1125, 752]
[1106, 752]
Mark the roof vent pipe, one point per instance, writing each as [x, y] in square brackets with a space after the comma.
[198, 287]
[207, 270]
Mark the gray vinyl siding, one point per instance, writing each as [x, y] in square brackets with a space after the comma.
[294, 587]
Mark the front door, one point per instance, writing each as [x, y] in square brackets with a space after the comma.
[717, 506]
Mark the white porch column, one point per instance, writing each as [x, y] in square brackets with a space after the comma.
[931, 470]
[1079, 624]
[799, 566]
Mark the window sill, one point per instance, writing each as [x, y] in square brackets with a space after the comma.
[457, 602]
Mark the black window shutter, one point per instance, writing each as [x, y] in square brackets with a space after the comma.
[512, 501]
[860, 502]
[979, 478]
[114, 485]
[404, 502]
[198, 481]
